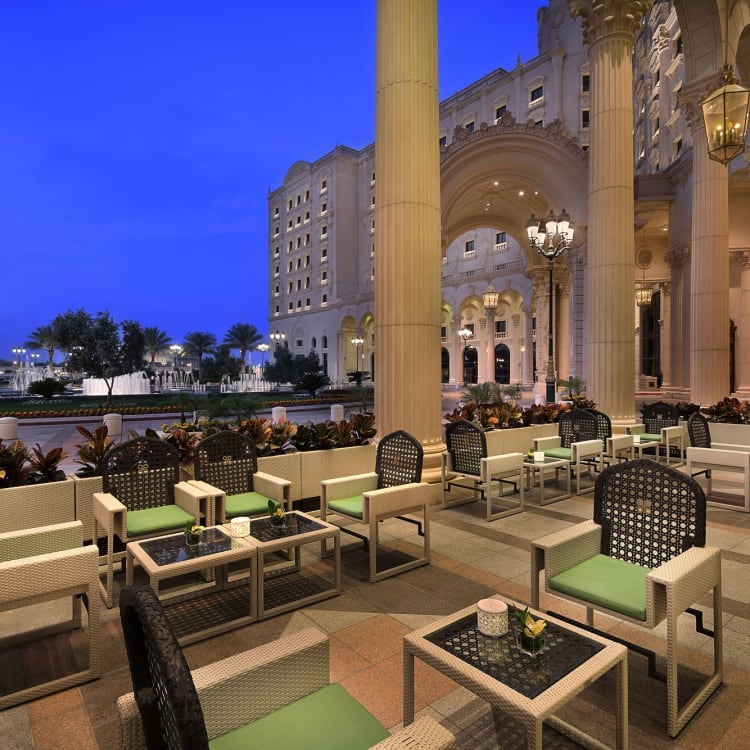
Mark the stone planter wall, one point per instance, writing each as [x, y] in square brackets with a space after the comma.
[37, 505]
[724, 432]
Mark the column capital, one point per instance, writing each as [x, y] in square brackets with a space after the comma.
[665, 287]
[602, 18]
[743, 259]
[678, 255]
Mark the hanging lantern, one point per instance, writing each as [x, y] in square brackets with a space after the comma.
[725, 114]
[643, 294]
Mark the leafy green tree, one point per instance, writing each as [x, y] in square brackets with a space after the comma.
[310, 376]
[281, 370]
[243, 336]
[94, 345]
[46, 388]
[221, 363]
[155, 340]
[43, 337]
[198, 343]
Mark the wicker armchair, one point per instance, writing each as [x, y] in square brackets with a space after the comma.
[226, 466]
[393, 490]
[642, 559]
[704, 456]
[466, 464]
[143, 497]
[579, 441]
[277, 695]
[661, 424]
[41, 565]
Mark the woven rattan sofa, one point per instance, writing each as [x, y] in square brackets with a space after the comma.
[641, 559]
[465, 464]
[278, 695]
[143, 497]
[661, 424]
[41, 565]
[226, 467]
[393, 490]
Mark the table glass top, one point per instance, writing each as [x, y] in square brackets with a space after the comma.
[547, 460]
[294, 525]
[167, 550]
[503, 659]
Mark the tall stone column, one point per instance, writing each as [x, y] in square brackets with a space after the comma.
[540, 278]
[490, 350]
[562, 338]
[665, 335]
[608, 29]
[709, 263]
[528, 355]
[407, 225]
[742, 354]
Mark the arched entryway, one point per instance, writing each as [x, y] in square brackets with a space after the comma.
[445, 365]
[502, 364]
[471, 365]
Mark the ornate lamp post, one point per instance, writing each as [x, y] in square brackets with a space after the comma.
[262, 348]
[19, 352]
[176, 350]
[357, 341]
[465, 334]
[277, 337]
[34, 358]
[490, 298]
[550, 238]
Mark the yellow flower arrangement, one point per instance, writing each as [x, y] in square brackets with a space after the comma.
[531, 628]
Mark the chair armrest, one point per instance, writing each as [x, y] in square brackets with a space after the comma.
[690, 575]
[718, 457]
[274, 487]
[618, 443]
[188, 497]
[730, 447]
[545, 443]
[246, 686]
[106, 506]
[394, 500]
[20, 545]
[357, 484]
[585, 449]
[506, 463]
[636, 429]
[675, 432]
[423, 734]
[566, 548]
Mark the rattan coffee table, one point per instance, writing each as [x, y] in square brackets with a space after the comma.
[206, 607]
[527, 688]
[285, 586]
[539, 468]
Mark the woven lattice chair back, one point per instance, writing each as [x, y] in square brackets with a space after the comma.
[698, 430]
[603, 426]
[162, 684]
[576, 425]
[649, 512]
[466, 445]
[227, 460]
[658, 415]
[398, 460]
[142, 473]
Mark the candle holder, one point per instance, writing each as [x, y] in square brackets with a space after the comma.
[240, 526]
[492, 617]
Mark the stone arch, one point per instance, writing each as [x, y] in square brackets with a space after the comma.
[486, 180]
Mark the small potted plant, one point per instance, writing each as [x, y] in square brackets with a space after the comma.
[530, 638]
[276, 512]
[193, 533]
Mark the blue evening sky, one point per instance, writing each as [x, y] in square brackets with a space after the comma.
[139, 140]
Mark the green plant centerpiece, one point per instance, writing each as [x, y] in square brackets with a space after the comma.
[276, 512]
[530, 637]
[193, 533]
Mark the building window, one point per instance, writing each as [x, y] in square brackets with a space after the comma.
[323, 254]
[323, 186]
[323, 208]
[677, 147]
[372, 250]
[469, 127]
[289, 225]
[325, 342]
[372, 225]
[276, 291]
[585, 82]
[289, 246]
[299, 285]
[299, 263]
[290, 308]
[500, 111]
[275, 212]
[443, 140]
[289, 269]
[324, 230]
[307, 195]
[289, 205]
[276, 310]
[307, 217]
[299, 199]
[469, 249]
[307, 303]
[323, 300]
[324, 277]
[307, 261]
[372, 178]
[276, 270]
[307, 282]
[307, 239]
[314, 343]
[276, 251]
[538, 123]
[289, 288]
[299, 220]
[536, 95]
[276, 231]
[299, 304]
[501, 241]
[501, 329]
[372, 201]
[584, 118]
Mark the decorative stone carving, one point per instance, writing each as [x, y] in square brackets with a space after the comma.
[600, 18]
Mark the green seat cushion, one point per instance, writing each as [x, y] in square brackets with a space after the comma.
[650, 436]
[246, 504]
[328, 719]
[558, 453]
[153, 520]
[348, 506]
[608, 582]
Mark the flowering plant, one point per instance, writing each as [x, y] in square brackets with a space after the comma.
[530, 627]
[191, 527]
[275, 510]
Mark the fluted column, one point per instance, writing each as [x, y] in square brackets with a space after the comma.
[490, 350]
[608, 28]
[562, 316]
[742, 353]
[528, 355]
[407, 225]
[540, 278]
[665, 335]
[709, 263]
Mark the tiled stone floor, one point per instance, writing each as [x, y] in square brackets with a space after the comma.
[471, 559]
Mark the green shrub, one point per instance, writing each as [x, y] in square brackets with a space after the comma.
[46, 388]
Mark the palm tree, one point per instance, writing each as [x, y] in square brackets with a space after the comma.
[43, 337]
[198, 343]
[155, 341]
[242, 336]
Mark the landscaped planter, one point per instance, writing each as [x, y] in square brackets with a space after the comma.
[85, 487]
[37, 505]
